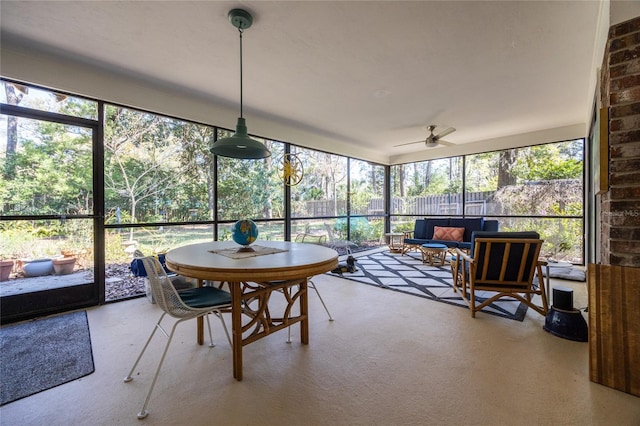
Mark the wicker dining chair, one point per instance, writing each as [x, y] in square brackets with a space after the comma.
[183, 305]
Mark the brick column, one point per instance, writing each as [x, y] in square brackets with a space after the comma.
[620, 92]
[614, 285]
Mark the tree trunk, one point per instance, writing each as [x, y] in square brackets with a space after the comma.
[506, 162]
[427, 175]
[12, 122]
[374, 185]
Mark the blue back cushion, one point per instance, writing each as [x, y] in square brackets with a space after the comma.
[497, 251]
[431, 223]
[420, 229]
[490, 225]
[490, 234]
[470, 225]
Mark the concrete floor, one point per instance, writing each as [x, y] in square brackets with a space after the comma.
[387, 359]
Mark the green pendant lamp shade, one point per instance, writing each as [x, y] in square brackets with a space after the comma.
[240, 145]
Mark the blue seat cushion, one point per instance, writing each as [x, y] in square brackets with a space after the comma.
[203, 297]
[415, 241]
[450, 244]
[464, 245]
[435, 245]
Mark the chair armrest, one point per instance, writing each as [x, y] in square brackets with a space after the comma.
[407, 234]
[464, 255]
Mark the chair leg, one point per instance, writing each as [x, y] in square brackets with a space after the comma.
[224, 326]
[310, 284]
[144, 348]
[472, 299]
[211, 344]
[143, 412]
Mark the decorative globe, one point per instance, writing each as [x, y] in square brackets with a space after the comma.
[245, 232]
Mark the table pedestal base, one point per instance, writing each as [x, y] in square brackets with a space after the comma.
[251, 317]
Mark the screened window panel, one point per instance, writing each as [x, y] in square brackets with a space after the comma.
[47, 100]
[323, 190]
[251, 189]
[157, 169]
[46, 168]
[366, 188]
[541, 180]
[563, 237]
[272, 230]
[431, 187]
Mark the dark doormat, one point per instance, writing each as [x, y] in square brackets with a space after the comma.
[40, 354]
[407, 274]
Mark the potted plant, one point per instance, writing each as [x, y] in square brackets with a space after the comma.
[6, 266]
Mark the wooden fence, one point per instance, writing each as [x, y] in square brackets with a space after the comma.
[439, 204]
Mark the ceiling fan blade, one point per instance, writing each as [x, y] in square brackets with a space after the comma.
[445, 132]
[409, 143]
[445, 143]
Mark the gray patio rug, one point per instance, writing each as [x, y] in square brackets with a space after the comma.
[43, 353]
[407, 274]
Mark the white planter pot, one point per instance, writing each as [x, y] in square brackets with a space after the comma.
[37, 267]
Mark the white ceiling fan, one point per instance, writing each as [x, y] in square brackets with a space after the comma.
[434, 140]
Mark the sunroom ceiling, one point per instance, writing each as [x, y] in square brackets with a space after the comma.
[363, 75]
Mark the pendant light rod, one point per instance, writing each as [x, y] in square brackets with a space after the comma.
[241, 19]
[240, 145]
[240, 31]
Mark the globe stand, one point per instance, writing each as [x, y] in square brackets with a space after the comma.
[245, 249]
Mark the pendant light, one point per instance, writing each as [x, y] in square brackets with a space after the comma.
[240, 145]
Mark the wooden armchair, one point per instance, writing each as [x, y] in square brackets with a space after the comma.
[504, 263]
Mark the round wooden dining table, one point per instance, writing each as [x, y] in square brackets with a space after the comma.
[272, 268]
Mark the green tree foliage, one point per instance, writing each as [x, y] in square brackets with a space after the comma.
[46, 167]
[482, 172]
[549, 162]
[366, 187]
[250, 189]
[325, 181]
[51, 171]
[157, 169]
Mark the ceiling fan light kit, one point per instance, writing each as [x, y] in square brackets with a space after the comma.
[240, 145]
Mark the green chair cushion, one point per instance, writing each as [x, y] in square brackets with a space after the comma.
[203, 297]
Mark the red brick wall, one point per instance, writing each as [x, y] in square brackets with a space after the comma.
[620, 92]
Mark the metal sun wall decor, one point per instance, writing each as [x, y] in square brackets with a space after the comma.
[291, 170]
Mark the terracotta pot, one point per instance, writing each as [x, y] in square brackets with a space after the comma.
[68, 253]
[64, 265]
[5, 269]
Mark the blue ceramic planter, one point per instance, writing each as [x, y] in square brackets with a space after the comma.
[37, 267]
